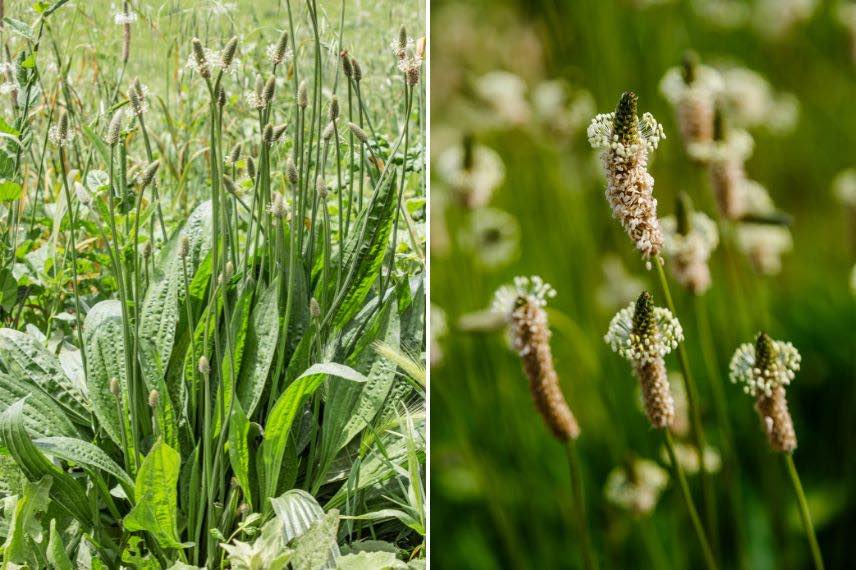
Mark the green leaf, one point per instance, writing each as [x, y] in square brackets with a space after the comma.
[261, 347]
[57, 555]
[65, 491]
[105, 357]
[44, 416]
[20, 28]
[282, 417]
[86, 454]
[24, 526]
[316, 548]
[370, 561]
[8, 129]
[239, 451]
[27, 358]
[156, 508]
[365, 257]
[10, 191]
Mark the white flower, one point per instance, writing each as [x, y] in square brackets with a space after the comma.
[764, 244]
[752, 102]
[59, 138]
[400, 50]
[532, 290]
[691, 251]
[272, 52]
[600, 134]
[737, 146]
[214, 61]
[638, 491]
[124, 18]
[648, 348]
[784, 366]
[474, 183]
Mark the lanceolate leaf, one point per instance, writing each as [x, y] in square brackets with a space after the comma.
[24, 525]
[25, 357]
[57, 556]
[367, 255]
[280, 421]
[44, 416]
[157, 506]
[239, 451]
[65, 491]
[261, 345]
[105, 357]
[86, 454]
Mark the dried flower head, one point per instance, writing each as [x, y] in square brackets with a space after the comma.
[333, 109]
[636, 487]
[765, 368]
[359, 133]
[115, 387]
[199, 59]
[61, 134]
[626, 141]
[269, 88]
[154, 399]
[329, 131]
[358, 70]
[251, 168]
[279, 52]
[471, 171]
[644, 334]
[764, 245]
[522, 304]
[267, 134]
[221, 96]
[321, 187]
[347, 68]
[138, 96]
[692, 90]
[688, 240]
[279, 132]
[147, 250]
[183, 246]
[314, 308]
[234, 155]
[277, 207]
[291, 171]
[114, 130]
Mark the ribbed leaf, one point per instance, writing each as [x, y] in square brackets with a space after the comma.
[282, 417]
[44, 416]
[105, 357]
[65, 491]
[366, 256]
[57, 556]
[24, 525]
[156, 491]
[25, 357]
[87, 454]
[261, 346]
[239, 451]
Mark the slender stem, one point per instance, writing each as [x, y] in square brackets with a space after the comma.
[589, 560]
[695, 415]
[805, 515]
[688, 499]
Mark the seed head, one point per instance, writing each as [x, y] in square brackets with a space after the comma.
[147, 250]
[689, 238]
[204, 366]
[277, 206]
[221, 96]
[329, 131]
[267, 134]
[763, 365]
[256, 98]
[137, 96]
[347, 68]
[642, 332]
[60, 134]
[314, 308]
[200, 59]
[183, 246]
[358, 70]
[279, 131]
[626, 126]
[279, 51]
[302, 95]
[291, 171]
[321, 187]
[270, 87]
[229, 184]
[251, 168]
[234, 155]
[154, 398]
[115, 128]
[148, 175]
[401, 47]
[115, 387]
[333, 110]
[228, 54]
[359, 133]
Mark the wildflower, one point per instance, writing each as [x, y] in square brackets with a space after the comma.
[183, 246]
[147, 250]
[279, 132]
[291, 171]
[644, 334]
[229, 184]
[359, 133]
[688, 239]
[692, 90]
[277, 53]
[61, 134]
[439, 328]
[256, 97]
[471, 171]
[83, 195]
[204, 366]
[114, 130]
[154, 399]
[618, 287]
[626, 141]
[522, 304]
[329, 131]
[137, 95]
[199, 60]
[302, 95]
[221, 96]
[726, 14]
[764, 244]
[333, 109]
[125, 16]
[267, 92]
[267, 134]
[321, 187]
[115, 388]
[764, 369]
[401, 44]
[251, 168]
[277, 206]
[347, 67]
[493, 236]
[636, 486]
[358, 70]
[844, 187]
[234, 155]
[147, 175]
[688, 456]
[561, 110]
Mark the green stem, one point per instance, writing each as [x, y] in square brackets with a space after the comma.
[695, 415]
[805, 515]
[709, 560]
[589, 561]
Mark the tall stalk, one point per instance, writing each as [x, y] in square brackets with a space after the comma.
[805, 514]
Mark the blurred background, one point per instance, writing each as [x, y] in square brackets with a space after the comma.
[514, 86]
